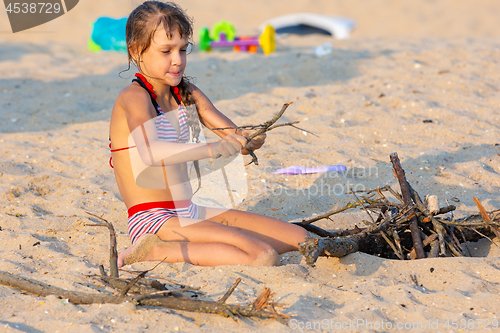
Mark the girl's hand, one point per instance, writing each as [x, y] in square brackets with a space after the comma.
[256, 142]
[230, 145]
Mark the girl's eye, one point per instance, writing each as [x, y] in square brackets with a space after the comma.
[166, 52]
[184, 50]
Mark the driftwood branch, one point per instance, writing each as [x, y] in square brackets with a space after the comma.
[113, 253]
[262, 300]
[325, 233]
[338, 210]
[263, 128]
[154, 278]
[224, 298]
[415, 233]
[176, 303]
[291, 124]
[313, 247]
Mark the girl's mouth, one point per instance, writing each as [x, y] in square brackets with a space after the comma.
[175, 73]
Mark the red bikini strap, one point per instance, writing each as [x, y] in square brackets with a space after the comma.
[177, 94]
[120, 149]
[113, 150]
[148, 85]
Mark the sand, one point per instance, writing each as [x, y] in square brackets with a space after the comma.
[405, 63]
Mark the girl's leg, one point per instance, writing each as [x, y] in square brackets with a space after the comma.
[282, 236]
[199, 242]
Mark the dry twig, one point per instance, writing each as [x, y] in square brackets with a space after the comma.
[263, 128]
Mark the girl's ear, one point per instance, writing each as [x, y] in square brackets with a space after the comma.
[134, 53]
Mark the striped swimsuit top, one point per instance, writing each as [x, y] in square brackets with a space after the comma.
[164, 129]
[167, 132]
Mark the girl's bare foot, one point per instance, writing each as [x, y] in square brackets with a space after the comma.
[139, 251]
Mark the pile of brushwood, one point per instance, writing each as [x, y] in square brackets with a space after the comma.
[407, 227]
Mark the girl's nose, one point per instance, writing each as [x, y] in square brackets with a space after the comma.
[176, 59]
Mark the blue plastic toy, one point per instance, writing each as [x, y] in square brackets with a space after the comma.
[108, 34]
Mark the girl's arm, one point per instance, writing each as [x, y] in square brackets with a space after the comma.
[155, 152]
[213, 118]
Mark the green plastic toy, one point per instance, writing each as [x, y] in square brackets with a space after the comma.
[224, 35]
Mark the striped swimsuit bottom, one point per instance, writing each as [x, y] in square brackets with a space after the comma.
[147, 218]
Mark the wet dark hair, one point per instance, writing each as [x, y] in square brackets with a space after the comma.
[145, 20]
[141, 26]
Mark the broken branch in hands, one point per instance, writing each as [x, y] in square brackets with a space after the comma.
[263, 128]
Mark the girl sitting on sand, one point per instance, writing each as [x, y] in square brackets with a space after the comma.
[150, 133]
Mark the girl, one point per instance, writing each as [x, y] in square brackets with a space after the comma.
[150, 149]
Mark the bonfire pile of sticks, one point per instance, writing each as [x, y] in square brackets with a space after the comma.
[402, 227]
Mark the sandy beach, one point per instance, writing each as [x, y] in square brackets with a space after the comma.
[405, 62]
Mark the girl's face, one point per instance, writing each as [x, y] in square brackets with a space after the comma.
[165, 59]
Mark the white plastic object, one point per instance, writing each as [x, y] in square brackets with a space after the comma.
[338, 27]
[323, 49]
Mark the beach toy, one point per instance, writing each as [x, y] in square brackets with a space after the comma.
[223, 28]
[339, 27]
[300, 170]
[223, 34]
[323, 49]
[108, 34]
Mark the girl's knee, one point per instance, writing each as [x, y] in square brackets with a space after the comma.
[268, 257]
[300, 234]
[303, 233]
